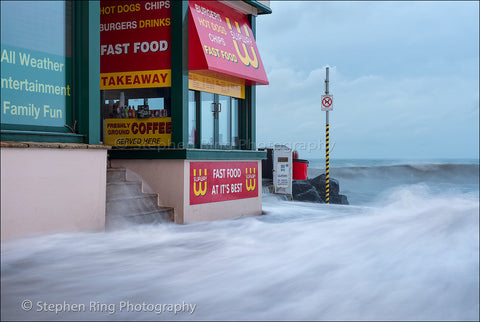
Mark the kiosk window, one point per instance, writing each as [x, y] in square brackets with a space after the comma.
[207, 137]
[214, 121]
[192, 119]
[137, 117]
[36, 64]
[136, 103]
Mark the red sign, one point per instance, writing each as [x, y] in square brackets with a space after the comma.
[222, 181]
[134, 37]
[327, 101]
[221, 40]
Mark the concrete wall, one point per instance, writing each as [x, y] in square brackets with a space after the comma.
[165, 177]
[171, 180]
[45, 190]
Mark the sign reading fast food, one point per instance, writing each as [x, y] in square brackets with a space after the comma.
[135, 44]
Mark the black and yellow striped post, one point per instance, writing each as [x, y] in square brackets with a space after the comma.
[327, 147]
[327, 164]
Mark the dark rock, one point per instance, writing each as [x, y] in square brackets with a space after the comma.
[304, 191]
[310, 195]
[319, 183]
[339, 199]
[313, 190]
[300, 186]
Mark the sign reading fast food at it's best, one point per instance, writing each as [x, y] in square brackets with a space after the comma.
[223, 181]
[135, 44]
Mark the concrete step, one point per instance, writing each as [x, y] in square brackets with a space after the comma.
[162, 215]
[116, 175]
[130, 205]
[127, 203]
[117, 190]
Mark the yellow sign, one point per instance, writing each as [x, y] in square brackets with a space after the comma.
[214, 85]
[138, 132]
[141, 79]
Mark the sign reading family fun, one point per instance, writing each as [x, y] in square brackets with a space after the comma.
[36, 87]
[134, 44]
[222, 181]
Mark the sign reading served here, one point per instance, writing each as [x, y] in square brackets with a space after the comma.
[132, 132]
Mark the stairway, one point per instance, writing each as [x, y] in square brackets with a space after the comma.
[127, 203]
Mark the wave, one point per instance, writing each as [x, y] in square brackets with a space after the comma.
[367, 183]
[418, 170]
[415, 257]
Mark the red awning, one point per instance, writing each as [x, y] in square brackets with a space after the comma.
[221, 41]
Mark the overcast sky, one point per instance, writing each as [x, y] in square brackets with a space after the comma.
[404, 76]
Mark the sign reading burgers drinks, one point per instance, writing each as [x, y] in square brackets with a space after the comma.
[135, 44]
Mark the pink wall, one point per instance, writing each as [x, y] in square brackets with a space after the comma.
[170, 179]
[52, 190]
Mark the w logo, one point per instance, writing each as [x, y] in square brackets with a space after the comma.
[249, 177]
[200, 179]
[245, 57]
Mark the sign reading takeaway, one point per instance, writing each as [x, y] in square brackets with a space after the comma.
[134, 44]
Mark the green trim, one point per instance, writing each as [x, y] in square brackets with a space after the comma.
[179, 43]
[216, 123]
[86, 82]
[187, 154]
[36, 136]
[29, 128]
[225, 155]
[242, 126]
[95, 113]
[198, 119]
[263, 8]
[252, 140]
[250, 106]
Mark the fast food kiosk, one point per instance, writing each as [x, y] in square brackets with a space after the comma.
[178, 102]
[165, 89]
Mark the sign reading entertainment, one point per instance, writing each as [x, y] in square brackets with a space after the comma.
[36, 87]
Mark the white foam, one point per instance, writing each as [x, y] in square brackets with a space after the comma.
[414, 256]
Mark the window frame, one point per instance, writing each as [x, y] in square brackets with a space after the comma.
[199, 129]
[81, 122]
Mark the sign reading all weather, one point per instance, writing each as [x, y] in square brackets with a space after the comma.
[36, 64]
[36, 87]
[222, 181]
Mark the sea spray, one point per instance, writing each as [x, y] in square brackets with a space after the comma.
[409, 253]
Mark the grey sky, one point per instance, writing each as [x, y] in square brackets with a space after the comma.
[404, 76]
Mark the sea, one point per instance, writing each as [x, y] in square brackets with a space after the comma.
[405, 248]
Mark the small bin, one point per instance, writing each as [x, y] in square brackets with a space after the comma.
[300, 169]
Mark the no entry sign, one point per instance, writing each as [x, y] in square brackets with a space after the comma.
[327, 102]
